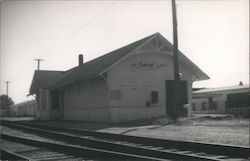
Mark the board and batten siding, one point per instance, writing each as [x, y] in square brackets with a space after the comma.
[135, 78]
[87, 101]
[45, 110]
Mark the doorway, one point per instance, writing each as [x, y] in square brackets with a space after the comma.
[57, 103]
[175, 108]
[55, 100]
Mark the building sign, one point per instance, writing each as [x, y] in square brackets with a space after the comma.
[149, 66]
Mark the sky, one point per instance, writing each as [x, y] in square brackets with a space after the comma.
[214, 34]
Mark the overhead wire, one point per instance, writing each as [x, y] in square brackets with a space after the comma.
[45, 54]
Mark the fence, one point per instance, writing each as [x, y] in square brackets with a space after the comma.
[238, 111]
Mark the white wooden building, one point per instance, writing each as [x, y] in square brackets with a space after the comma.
[130, 83]
[223, 100]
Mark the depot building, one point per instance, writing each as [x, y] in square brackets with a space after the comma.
[131, 83]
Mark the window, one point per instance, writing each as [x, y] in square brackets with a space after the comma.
[154, 97]
[214, 105]
[210, 103]
[115, 95]
[193, 106]
[204, 106]
[43, 100]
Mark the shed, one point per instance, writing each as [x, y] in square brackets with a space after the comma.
[222, 100]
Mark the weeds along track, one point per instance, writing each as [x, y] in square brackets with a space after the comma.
[148, 147]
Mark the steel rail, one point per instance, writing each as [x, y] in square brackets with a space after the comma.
[9, 155]
[76, 150]
[111, 146]
[217, 149]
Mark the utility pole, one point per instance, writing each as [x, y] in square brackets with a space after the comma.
[7, 103]
[7, 87]
[175, 38]
[38, 63]
[176, 64]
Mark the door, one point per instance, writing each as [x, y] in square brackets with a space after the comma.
[174, 107]
[57, 104]
[55, 101]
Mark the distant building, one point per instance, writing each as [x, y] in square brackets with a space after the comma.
[26, 108]
[2, 112]
[130, 83]
[225, 100]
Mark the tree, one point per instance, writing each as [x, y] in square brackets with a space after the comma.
[5, 101]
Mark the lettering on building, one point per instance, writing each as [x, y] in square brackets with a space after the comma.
[149, 66]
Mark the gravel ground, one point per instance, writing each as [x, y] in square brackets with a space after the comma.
[6, 130]
[16, 147]
[32, 151]
[222, 131]
[225, 135]
[231, 131]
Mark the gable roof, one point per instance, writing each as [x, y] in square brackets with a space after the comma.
[44, 79]
[93, 68]
[199, 74]
[97, 66]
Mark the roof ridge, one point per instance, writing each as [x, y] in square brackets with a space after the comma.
[113, 51]
[49, 71]
[106, 61]
[99, 64]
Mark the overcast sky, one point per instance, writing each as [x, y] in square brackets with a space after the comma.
[214, 34]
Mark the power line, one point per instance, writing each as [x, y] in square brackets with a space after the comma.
[87, 25]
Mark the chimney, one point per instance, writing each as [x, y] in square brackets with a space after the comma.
[80, 58]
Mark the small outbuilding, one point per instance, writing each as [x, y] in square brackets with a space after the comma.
[26, 108]
[222, 100]
[131, 83]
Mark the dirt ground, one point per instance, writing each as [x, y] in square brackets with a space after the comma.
[226, 131]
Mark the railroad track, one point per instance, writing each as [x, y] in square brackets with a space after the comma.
[30, 150]
[9, 155]
[47, 151]
[157, 148]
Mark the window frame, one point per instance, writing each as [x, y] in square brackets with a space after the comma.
[193, 106]
[204, 106]
[154, 97]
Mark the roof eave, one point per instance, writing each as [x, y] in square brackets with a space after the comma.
[52, 87]
[114, 64]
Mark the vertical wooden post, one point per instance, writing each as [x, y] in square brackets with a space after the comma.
[38, 63]
[176, 63]
[175, 38]
[7, 99]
